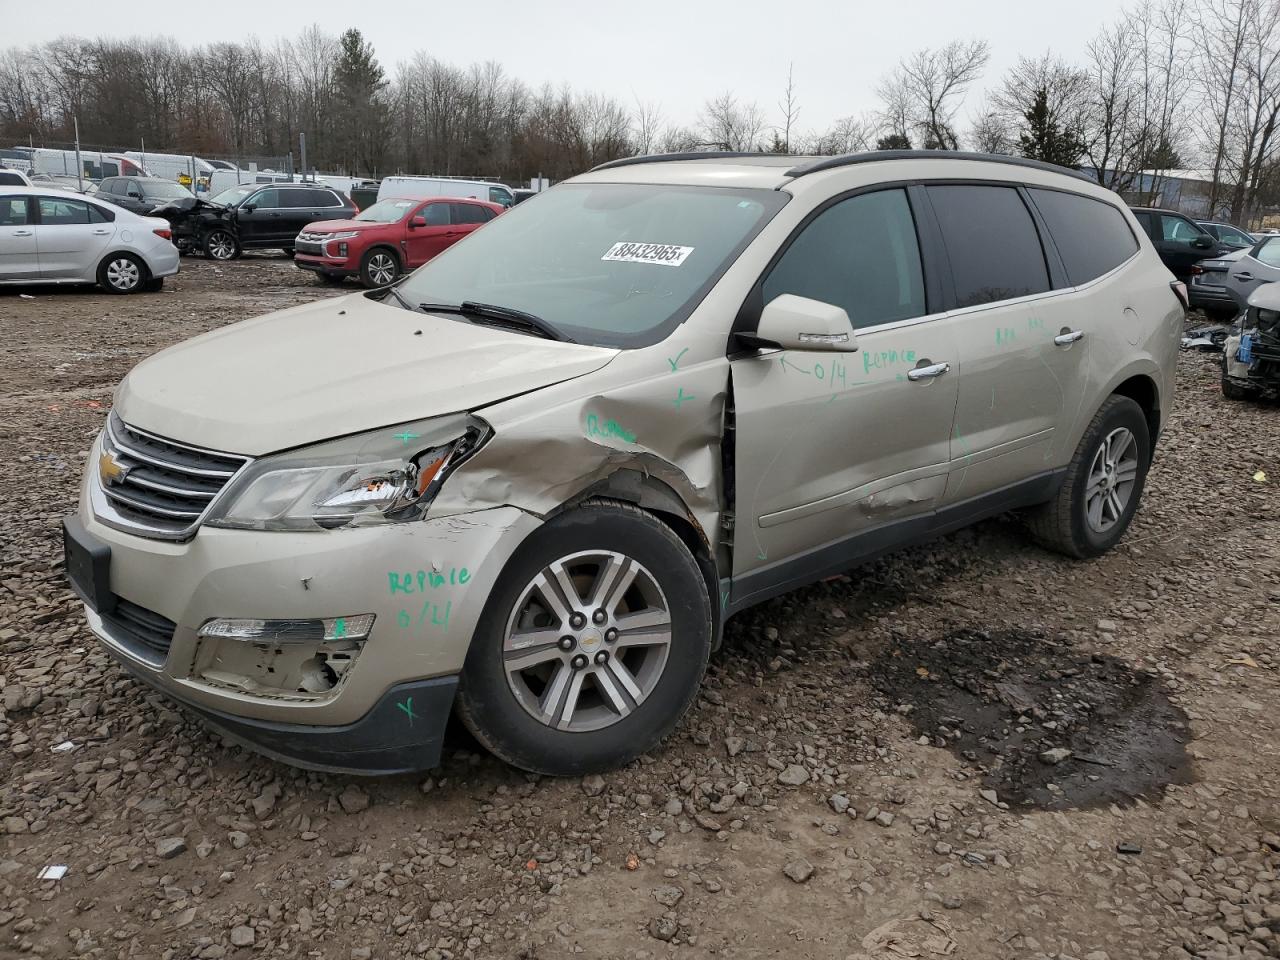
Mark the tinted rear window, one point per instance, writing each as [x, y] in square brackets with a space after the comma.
[991, 241]
[467, 213]
[1092, 236]
[9, 179]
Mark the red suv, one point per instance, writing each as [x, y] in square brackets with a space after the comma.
[389, 238]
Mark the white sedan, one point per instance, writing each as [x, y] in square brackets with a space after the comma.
[51, 236]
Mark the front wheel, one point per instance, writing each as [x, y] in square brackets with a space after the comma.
[591, 646]
[378, 268]
[1103, 485]
[221, 245]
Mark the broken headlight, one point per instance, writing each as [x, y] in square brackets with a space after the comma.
[383, 476]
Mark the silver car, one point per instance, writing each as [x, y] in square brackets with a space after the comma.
[51, 236]
[1261, 264]
[531, 481]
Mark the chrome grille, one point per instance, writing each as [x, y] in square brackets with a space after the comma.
[164, 488]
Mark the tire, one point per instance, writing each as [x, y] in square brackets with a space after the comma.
[122, 273]
[594, 730]
[1064, 523]
[154, 285]
[378, 268]
[221, 245]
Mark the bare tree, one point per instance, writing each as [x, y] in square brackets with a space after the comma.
[789, 107]
[1220, 34]
[927, 88]
[726, 124]
[846, 135]
[646, 122]
[992, 132]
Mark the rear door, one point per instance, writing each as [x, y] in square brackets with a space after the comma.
[1005, 315]
[71, 237]
[423, 243]
[466, 217]
[18, 260]
[837, 450]
[1260, 265]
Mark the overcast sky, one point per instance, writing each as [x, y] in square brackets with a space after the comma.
[673, 53]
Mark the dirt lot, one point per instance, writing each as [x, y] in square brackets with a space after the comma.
[874, 770]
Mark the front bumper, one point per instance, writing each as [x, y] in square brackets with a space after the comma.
[403, 733]
[325, 265]
[426, 582]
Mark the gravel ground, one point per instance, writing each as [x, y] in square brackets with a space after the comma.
[973, 749]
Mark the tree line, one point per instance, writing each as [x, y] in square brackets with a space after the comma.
[1167, 84]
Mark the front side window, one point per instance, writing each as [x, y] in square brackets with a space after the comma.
[265, 199]
[611, 264]
[56, 212]
[860, 254]
[1179, 229]
[233, 195]
[500, 195]
[1233, 236]
[164, 189]
[991, 241]
[13, 212]
[437, 214]
[1092, 236]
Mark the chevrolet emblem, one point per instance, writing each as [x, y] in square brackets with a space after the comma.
[111, 470]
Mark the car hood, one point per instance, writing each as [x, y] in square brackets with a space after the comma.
[333, 368]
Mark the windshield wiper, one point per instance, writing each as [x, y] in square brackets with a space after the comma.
[400, 296]
[499, 316]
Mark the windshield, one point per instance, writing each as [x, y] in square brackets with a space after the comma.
[233, 195]
[164, 189]
[386, 211]
[613, 264]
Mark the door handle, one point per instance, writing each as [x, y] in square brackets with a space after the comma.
[1068, 338]
[929, 372]
[22, 233]
[101, 233]
[1244, 276]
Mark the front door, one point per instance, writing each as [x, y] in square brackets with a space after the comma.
[264, 223]
[1181, 243]
[836, 453]
[18, 260]
[71, 237]
[423, 243]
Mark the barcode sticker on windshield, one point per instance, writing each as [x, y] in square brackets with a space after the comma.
[665, 254]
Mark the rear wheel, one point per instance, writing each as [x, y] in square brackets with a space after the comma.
[122, 273]
[591, 646]
[221, 245]
[378, 268]
[1103, 485]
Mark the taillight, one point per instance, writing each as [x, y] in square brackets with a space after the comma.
[1180, 291]
[163, 234]
[1196, 269]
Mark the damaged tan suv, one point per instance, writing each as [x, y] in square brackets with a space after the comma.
[532, 480]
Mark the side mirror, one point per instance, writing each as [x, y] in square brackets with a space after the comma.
[248, 208]
[135, 194]
[798, 323]
[1203, 242]
[416, 222]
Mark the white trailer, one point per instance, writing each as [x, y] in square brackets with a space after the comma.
[96, 163]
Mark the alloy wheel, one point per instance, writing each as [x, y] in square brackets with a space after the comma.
[1112, 476]
[123, 273]
[587, 640]
[382, 269]
[221, 246]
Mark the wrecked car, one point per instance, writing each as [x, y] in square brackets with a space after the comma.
[530, 481]
[251, 215]
[1251, 355]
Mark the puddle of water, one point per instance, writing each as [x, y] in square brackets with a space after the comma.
[1011, 696]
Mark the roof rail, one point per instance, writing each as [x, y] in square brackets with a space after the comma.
[663, 157]
[872, 156]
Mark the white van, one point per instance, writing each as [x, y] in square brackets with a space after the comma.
[170, 166]
[419, 188]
